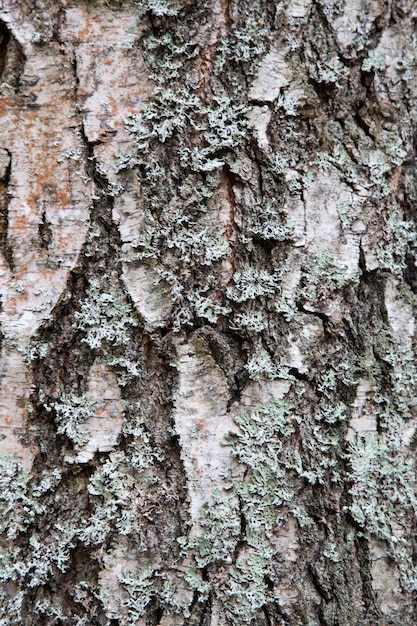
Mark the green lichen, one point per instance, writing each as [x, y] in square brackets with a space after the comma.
[27, 561]
[401, 234]
[221, 523]
[17, 507]
[374, 61]
[261, 496]
[140, 589]
[322, 273]
[260, 366]
[71, 413]
[383, 494]
[105, 317]
[111, 489]
[251, 283]
[106, 321]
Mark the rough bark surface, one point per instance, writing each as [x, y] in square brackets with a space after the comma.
[208, 282]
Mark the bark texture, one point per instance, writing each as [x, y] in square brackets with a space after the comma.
[208, 278]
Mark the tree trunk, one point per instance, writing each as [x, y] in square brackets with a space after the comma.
[208, 279]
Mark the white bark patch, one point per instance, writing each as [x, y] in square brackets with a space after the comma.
[400, 314]
[112, 81]
[217, 613]
[287, 541]
[287, 546]
[105, 426]
[119, 559]
[402, 322]
[385, 581]
[361, 421]
[301, 345]
[299, 8]
[45, 190]
[221, 208]
[150, 297]
[292, 276]
[259, 118]
[323, 231]
[273, 74]
[295, 208]
[19, 23]
[354, 20]
[346, 24]
[47, 219]
[201, 422]
[390, 50]
[369, 253]
[257, 394]
[15, 388]
[128, 218]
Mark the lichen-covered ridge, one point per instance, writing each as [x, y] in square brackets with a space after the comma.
[208, 249]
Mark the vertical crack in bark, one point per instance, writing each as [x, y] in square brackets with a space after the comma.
[4, 42]
[74, 65]
[45, 232]
[363, 555]
[12, 61]
[231, 231]
[5, 194]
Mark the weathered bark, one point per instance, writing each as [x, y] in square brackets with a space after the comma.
[208, 279]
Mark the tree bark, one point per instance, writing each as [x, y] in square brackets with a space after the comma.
[208, 281]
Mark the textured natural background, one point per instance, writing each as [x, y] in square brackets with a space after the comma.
[208, 312]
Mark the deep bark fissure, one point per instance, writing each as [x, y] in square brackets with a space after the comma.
[12, 60]
[4, 42]
[5, 197]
